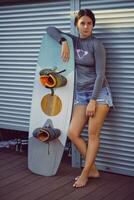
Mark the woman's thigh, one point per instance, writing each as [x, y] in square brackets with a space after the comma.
[95, 123]
[78, 120]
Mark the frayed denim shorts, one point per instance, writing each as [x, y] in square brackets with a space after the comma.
[104, 97]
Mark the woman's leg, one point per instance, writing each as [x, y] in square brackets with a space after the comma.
[77, 124]
[94, 126]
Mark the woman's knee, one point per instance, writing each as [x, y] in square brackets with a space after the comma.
[72, 135]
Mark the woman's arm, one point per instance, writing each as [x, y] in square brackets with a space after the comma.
[100, 62]
[100, 59]
[57, 35]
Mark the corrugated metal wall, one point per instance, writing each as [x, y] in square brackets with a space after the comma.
[115, 27]
[21, 31]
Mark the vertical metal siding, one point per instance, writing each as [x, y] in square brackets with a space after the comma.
[115, 27]
[21, 31]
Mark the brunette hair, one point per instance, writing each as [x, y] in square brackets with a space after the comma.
[84, 12]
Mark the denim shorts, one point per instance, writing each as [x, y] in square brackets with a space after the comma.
[104, 97]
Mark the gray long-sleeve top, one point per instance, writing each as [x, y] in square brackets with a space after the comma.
[89, 61]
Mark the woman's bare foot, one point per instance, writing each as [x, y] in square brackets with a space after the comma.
[81, 181]
[94, 173]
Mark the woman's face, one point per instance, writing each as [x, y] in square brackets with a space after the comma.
[85, 26]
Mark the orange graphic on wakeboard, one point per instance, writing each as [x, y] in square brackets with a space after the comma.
[52, 79]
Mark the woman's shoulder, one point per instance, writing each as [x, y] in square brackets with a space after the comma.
[97, 42]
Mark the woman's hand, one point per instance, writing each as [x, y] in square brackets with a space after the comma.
[65, 52]
[91, 108]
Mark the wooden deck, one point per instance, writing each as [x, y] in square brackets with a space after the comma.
[18, 183]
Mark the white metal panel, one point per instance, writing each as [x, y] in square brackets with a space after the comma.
[21, 31]
[115, 28]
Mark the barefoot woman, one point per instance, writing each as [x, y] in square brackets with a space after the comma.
[92, 93]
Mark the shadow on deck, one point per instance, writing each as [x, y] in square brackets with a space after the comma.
[18, 183]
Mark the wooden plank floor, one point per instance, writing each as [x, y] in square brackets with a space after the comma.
[18, 183]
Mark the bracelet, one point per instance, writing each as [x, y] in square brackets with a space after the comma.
[62, 40]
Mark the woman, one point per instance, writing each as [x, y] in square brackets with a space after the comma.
[92, 94]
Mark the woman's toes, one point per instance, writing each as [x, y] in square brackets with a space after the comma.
[76, 178]
[81, 182]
